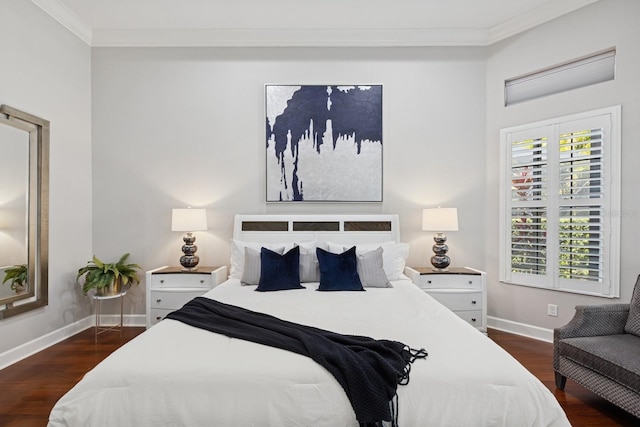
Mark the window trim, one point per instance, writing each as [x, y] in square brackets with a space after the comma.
[610, 284]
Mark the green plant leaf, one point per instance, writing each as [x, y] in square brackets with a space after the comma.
[97, 262]
[99, 274]
[17, 274]
[123, 258]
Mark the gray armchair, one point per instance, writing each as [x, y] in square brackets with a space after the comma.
[600, 349]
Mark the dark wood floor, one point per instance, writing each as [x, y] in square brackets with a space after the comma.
[30, 388]
[583, 408]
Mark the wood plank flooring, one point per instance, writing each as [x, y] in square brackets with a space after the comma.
[583, 408]
[30, 388]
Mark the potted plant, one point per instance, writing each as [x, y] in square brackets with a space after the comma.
[108, 278]
[18, 277]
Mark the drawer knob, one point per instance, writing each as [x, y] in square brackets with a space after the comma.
[473, 319]
[470, 282]
[158, 300]
[201, 281]
[161, 280]
[473, 302]
[158, 317]
[428, 281]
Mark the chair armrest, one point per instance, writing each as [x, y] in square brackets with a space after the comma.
[595, 320]
[590, 321]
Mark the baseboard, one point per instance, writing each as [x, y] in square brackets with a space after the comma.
[27, 349]
[523, 329]
[129, 320]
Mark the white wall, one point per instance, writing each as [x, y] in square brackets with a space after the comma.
[178, 126]
[185, 126]
[602, 25]
[46, 71]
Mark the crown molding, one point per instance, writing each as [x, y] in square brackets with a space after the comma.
[545, 13]
[281, 37]
[66, 18]
[289, 38]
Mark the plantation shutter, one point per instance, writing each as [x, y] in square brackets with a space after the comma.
[528, 208]
[559, 193]
[582, 204]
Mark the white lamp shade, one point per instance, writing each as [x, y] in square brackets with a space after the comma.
[188, 219]
[440, 219]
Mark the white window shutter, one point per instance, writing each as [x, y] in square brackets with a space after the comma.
[559, 192]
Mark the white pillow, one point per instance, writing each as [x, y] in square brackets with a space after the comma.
[370, 269]
[394, 255]
[338, 248]
[252, 264]
[237, 254]
[309, 268]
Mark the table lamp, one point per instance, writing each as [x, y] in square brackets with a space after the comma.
[189, 220]
[440, 220]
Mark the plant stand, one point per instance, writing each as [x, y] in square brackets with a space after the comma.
[98, 302]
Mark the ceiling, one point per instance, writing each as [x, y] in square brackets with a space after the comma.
[302, 22]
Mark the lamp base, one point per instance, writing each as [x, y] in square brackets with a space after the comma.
[189, 260]
[189, 264]
[440, 260]
[440, 263]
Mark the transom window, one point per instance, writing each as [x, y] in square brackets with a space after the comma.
[560, 203]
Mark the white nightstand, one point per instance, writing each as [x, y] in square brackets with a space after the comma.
[462, 290]
[169, 288]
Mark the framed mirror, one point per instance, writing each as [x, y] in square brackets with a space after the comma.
[24, 211]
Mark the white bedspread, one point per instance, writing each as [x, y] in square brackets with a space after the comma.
[178, 375]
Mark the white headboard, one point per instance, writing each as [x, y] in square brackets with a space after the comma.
[322, 228]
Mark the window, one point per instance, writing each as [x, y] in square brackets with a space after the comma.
[581, 72]
[560, 203]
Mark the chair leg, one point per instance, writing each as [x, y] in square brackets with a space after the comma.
[561, 380]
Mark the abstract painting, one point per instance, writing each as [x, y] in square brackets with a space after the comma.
[324, 143]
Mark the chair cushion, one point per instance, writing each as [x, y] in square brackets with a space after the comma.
[633, 322]
[614, 356]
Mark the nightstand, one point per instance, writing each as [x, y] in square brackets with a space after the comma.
[462, 290]
[169, 288]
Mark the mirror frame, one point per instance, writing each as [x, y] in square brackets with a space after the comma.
[37, 294]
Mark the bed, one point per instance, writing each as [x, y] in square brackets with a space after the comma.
[179, 375]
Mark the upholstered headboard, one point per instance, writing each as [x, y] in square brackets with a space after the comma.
[322, 228]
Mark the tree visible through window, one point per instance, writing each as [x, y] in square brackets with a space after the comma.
[581, 239]
[558, 208]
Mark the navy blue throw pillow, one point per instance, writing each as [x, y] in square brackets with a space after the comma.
[339, 272]
[279, 272]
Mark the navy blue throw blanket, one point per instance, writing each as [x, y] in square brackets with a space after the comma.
[368, 370]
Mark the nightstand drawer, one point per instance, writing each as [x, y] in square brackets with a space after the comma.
[169, 288]
[450, 281]
[172, 300]
[462, 290]
[457, 301]
[157, 314]
[473, 317]
[181, 280]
